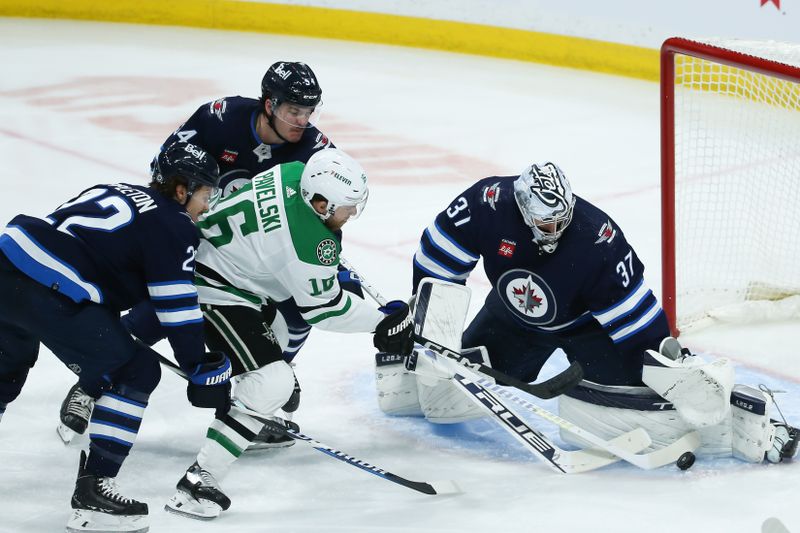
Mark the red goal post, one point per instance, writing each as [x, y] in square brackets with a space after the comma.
[730, 180]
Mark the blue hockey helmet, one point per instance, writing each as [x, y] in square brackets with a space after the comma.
[291, 82]
[188, 161]
[544, 197]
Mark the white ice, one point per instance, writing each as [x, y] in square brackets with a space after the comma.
[86, 103]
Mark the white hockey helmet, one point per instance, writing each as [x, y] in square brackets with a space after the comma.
[336, 177]
[545, 199]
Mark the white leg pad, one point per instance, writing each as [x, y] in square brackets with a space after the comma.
[753, 432]
[664, 426]
[396, 386]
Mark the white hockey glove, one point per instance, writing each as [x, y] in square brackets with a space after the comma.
[700, 391]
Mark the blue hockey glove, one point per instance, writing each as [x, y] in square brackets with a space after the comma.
[349, 281]
[391, 307]
[209, 383]
[393, 333]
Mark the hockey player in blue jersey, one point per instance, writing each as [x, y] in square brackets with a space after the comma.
[246, 136]
[65, 280]
[564, 277]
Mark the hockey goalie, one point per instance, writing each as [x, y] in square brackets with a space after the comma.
[564, 279]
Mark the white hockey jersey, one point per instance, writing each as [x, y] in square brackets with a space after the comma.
[264, 242]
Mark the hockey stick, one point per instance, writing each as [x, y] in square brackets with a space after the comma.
[437, 487]
[550, 388]
[668, 454]
[559, 460]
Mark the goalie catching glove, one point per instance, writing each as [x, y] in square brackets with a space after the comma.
[209, 382]
[393, 333]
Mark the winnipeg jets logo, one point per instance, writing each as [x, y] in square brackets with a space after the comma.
[528, 297]
[607, 233]
[322, 141]
[218, 108]
[547, 187]
[263, 152]
[491, 195]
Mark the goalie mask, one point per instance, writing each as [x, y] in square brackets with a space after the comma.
[545, 199]
[334, 176]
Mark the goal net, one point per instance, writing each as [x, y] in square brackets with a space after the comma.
[730, 139]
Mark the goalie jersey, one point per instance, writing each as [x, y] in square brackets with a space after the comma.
[117, 245]
[593, 275]
[264, 242]
[226, 129]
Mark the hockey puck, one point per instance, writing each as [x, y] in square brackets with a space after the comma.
[685, 461]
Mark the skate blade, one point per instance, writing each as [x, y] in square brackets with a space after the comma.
[65, 434]
[184, 505]
[269, 445]
[83, 520]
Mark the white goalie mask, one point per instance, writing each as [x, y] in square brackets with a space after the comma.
[545, 199]
[339, 179]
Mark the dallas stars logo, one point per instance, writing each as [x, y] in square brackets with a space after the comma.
[527, 300]
[326, 252]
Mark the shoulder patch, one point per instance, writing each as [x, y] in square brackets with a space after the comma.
[607, 233]
[217, 107]
[326, 252]
[491, 195]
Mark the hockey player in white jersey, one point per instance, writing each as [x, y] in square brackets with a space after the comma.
[267, 242]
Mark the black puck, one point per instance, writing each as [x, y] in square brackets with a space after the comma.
[685, 461]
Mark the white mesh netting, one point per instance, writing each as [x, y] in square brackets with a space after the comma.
[737, 182]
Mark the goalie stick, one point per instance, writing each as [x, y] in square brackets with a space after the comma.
[660, 457]
[559, 460]
[550, 388]
[436, 487]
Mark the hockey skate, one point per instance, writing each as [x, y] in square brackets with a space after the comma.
[784, 444]
[98, 506]
[76, 409]
[199, 496]
[268, 438]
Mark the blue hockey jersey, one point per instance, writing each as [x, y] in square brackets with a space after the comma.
[117, 245]
[594, 274]
[226, 129]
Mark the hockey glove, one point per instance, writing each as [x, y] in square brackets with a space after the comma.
[350, 281]
[393, 333]
[209, 383]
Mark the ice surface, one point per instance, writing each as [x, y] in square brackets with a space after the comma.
[85, 103]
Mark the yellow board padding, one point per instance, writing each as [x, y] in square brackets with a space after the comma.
[574, 52]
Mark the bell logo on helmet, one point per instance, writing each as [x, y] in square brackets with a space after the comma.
[195, 151]
[284, 74]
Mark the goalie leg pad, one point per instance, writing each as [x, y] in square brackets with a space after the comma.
[700, 391]
[753, 432]
[396, 386]
[442, 401]
[609, 411]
